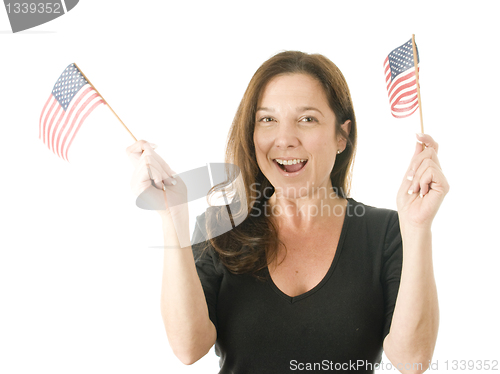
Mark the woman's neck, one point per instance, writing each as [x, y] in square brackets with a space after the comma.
[304, 212]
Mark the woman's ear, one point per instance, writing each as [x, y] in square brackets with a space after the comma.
[342, 142]
[346, 126]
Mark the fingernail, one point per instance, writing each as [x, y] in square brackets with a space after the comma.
[410, 175]
[153, 145]
[421, 194]
[419, 134]
[410, 192]
[174, 182]
[163, 186]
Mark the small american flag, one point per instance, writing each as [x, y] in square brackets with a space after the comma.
[71, 101]
[401, 82]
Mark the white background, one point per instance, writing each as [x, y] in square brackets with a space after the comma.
[79, 283]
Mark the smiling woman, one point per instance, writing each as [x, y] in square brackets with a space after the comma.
[296, 107]
[295, 126]
[309, 275]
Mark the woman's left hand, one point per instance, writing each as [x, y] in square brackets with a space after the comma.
[424, 186]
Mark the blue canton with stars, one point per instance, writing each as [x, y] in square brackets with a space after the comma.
[401, 59]
[67, 86]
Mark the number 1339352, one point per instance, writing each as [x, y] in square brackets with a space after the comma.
[33, 8]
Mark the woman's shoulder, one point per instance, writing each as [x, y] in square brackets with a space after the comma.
[211, 223]
[207, 226]
[372, 225]
[369, 214]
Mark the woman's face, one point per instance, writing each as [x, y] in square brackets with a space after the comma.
[295, 140]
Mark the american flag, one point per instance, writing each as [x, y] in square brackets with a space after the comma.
[71, 101]
[401, 82]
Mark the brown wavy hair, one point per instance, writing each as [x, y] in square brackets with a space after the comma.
[253, 244]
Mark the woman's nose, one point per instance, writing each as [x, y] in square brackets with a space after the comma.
[286, 135]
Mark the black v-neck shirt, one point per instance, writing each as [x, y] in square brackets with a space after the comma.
[337, 326]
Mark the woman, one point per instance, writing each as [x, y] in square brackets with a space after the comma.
[311, 279]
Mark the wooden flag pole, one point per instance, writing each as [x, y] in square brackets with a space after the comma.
[415, 62]
[105, 101]
[126, 128]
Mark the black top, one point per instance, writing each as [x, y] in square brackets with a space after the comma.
[343, 319]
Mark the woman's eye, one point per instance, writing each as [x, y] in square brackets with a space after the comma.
[308, 119]
[266, 119]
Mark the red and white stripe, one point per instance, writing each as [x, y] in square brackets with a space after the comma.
[58, 127]
[402, 91]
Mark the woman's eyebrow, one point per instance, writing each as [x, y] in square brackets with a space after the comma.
[266, 109]
[304, 108]
[301, 109]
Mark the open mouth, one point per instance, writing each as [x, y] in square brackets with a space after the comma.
[291, 166]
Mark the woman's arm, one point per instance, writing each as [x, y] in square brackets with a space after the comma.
[412, 337]
[183, 306]
[413, 333]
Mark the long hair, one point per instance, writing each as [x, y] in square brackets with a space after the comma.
[253, 244]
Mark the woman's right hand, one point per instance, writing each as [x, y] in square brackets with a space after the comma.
[142, 155]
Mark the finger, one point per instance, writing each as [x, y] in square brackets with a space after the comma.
[159, 182]
[418, 149]
[160, 175]
[418, 159]
[417, 184]
[155, 172]
[146, 170]
[411, 171]
[428, 141]
[435, 180]
[159, 163]
[432, 179]
[138, 148]
[425, 181]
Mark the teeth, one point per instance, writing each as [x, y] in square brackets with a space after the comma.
[289, 162]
